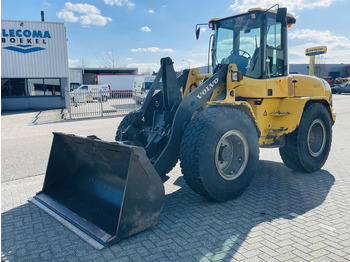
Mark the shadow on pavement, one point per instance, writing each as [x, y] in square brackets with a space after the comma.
[219, 229]
[189, 225]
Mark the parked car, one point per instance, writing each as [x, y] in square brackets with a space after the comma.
[85, 93]
[342, 88]
[74, 86]
[142, 84]
[329, 80]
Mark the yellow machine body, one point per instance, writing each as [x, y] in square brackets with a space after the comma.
[276, 105]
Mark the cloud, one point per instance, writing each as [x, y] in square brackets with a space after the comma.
[145, 29]
[300, 39]
[120, 3]
[152, 50]
[144, 68]
[47, 4]
[82, 8]
[234, 6]
[84, 13]
[149, 68]
[151, 11]
[94, 19]
[244, 5]
[316, 36]
[67, 16]
[74, 62]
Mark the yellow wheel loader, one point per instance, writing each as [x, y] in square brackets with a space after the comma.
[214, 123]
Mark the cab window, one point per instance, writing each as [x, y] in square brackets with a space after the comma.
[274, 51]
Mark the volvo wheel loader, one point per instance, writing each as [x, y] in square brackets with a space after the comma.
[213, 123]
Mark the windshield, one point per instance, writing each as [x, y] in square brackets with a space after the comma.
[148, 85]
[83, 88]
[238, 41]
[74, 86]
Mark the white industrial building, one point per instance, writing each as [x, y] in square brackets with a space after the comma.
[89, 75]
[34, 65]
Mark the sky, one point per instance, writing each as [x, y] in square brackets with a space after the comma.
[138, 33]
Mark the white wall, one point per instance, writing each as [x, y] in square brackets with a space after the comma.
[76, 75]
[33, 49]
[117, 82]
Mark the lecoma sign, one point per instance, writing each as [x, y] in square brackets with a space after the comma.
[23, 40]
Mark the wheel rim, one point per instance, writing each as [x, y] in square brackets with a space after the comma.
[231, 155]
[316, 138]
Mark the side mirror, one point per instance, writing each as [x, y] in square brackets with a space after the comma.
[197, 32]
[282, 16]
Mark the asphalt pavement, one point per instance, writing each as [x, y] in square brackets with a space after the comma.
[282, 216]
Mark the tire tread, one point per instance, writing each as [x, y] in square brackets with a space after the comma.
[193, 137]
[291, 152]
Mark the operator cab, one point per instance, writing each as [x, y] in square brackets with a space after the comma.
[255, 41]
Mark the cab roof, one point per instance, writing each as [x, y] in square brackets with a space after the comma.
[290, 18]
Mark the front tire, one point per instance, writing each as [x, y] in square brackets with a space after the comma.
[127, 120]
[307, 148]
[219, 153]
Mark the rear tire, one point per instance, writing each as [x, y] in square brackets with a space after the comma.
[307, 148]
[219, 153]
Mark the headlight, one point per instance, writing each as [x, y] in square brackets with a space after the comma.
[236, 76]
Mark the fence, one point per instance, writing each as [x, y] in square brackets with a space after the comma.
[103, 103]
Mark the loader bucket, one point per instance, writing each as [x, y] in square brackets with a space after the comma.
[107, 190]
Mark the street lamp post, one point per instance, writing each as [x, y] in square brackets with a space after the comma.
[189, 63]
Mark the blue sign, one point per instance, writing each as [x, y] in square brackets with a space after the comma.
[24, 49]
[25, 33]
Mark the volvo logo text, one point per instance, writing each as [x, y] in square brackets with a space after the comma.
[208, 88]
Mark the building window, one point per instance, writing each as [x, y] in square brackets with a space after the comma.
[30, 87]
[5, 87]
[18, 87]
[52, 87]
[35, 87]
